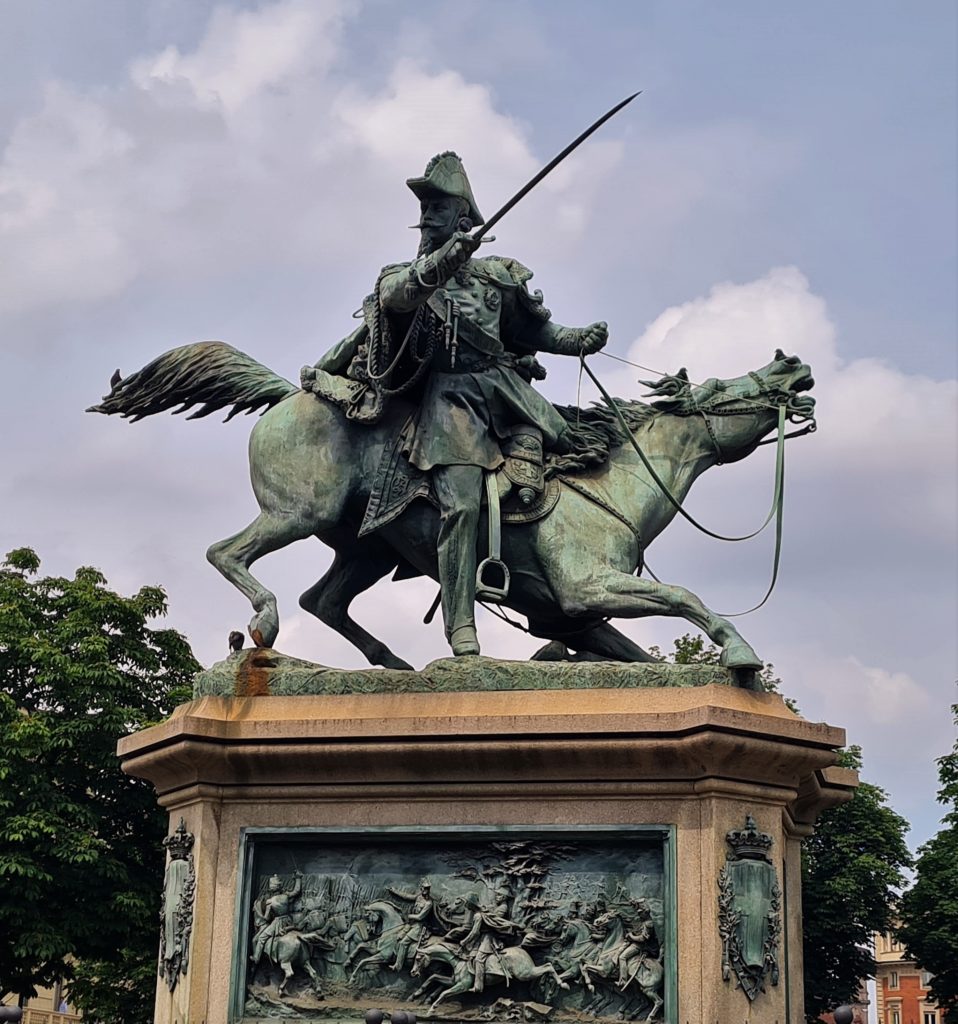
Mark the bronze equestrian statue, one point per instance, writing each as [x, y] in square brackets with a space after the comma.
[383, 451]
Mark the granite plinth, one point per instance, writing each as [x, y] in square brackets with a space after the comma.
[690, 761]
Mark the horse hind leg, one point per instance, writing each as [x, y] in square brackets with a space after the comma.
[314, 977]
[601, 642]
[657, 1003]
[233, 556]
[287, 969]
[354, 570]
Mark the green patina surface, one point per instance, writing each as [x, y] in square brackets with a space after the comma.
[264, 672]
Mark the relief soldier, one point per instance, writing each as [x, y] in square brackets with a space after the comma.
[273, 914]
[419, 915]
[482, 934]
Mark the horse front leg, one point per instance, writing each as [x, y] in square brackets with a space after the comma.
[620, 595]
[464, 984]
[433, 979]
[376, 960]
[234, 555]
[355, 569]
[548, 970]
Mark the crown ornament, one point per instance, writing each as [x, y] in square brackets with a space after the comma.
[180, 843]
[748, 843]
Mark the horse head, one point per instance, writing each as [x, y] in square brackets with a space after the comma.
[605, 921]
[740, 411]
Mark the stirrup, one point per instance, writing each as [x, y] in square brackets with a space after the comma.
[488, 590]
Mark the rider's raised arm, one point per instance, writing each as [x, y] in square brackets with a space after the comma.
[405, 286]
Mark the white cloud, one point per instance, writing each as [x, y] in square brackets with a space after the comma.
[206, 162]
[246, 54]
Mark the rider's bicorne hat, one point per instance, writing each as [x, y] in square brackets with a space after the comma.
[444, 175]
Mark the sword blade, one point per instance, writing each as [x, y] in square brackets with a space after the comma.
[551, 165]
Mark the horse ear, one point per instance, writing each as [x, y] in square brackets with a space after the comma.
[670, 385]
[675, 390]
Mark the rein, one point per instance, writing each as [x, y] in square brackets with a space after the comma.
[778, 491]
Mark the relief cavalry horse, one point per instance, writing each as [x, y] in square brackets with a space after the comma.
[313, 470]
[294, 949]
[381, 950]
[511, 963]
[646, 974]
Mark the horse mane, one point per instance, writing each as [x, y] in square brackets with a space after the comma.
[594, 432]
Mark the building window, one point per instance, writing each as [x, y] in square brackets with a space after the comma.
[926, 977]
[893, 980]
[894, 1017]
[930, 1017]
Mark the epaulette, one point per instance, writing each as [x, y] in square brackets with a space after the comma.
[521, 275]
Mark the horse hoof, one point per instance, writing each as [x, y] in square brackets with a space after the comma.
[264, 628]
[738, 654]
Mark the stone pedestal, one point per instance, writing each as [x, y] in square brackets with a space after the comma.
[690, 763]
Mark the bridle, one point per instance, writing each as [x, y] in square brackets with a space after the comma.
[774, 395]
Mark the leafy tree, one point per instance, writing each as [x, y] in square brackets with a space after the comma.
[694, 650]
[929, 910]
[80, 863]
[851, 871]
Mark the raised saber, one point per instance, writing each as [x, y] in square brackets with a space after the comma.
[551, 165]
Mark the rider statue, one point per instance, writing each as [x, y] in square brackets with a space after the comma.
[480, 936]
[273, 913]
[470, 330]
[417, 917]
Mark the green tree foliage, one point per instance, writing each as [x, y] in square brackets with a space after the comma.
[80, 854]
[851, 871]
[929, 910]
[694, 650]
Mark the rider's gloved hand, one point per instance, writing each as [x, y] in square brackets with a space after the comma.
[594, 337]
[455, 253]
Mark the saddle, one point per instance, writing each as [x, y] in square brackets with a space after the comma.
[516, 493]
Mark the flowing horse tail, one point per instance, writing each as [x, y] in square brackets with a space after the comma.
[210, 374]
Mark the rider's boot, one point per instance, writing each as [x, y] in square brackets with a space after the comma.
[458, 490]
[397, 964]
[464, 641]
[479, 974]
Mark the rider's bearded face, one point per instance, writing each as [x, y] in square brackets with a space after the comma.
[438, 220]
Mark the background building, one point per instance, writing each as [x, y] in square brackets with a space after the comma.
[902, 987]
[48, 1006]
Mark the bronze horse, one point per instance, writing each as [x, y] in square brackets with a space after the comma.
[312, 470]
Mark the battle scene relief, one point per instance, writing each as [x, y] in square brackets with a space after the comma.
[499, 929]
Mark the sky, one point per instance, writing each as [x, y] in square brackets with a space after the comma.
[178, 171]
